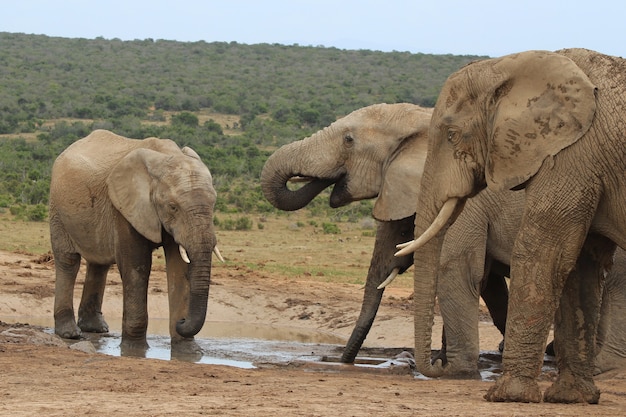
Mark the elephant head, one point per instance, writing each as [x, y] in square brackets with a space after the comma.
[496, 122]
[168, 197]
[378, 150]
[352, 153]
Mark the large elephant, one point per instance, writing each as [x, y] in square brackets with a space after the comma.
[114, 200]
[370, 152]
[373, 152]
[480, 242]
[552, 123]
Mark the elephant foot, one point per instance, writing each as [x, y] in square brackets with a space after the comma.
[93, 323]
[65, 326]
[569, 389]
[607, 361]
[186, 349]
[133, 347]
[461, 371]
[514, 389]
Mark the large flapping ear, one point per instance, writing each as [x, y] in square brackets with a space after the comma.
[544, 103]
[129, 190]
[397, 198]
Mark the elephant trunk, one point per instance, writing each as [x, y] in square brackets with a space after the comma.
[383, 267]
[425, 281]
[369, 308]
[199, 279]
[293, 160]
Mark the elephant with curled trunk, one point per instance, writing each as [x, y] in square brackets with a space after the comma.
[552, 123]
[477, 247]
[114, 200]
[374, 151]
[370, 152]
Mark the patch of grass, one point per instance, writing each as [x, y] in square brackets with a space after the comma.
[24, 236]
[309, 255]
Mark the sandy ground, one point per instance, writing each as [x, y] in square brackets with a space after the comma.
[40, 375]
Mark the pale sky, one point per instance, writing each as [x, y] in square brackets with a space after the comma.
[460, 27]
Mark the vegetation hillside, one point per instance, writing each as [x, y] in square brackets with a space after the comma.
[233, 103]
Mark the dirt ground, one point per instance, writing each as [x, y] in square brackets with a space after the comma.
[39, 375]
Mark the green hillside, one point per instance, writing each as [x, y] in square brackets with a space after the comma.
[233, 103]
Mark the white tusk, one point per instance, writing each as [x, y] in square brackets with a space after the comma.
[439, 222]
[390, 278]
[300, 179]
[183, 254]
[218, 254]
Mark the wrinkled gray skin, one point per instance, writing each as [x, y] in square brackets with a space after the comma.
[480, 240]
[376, 149]
[370, 152]
[551, 123]
[113, 201]
[474, 258]
[611, 338]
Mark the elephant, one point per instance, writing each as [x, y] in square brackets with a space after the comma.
[368, 153]
[551, 123]
[114, 200]
[481, 239]
[371, 152]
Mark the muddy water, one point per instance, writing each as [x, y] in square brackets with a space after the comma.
[256, 346]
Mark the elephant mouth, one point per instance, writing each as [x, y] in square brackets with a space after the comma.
[340, 196]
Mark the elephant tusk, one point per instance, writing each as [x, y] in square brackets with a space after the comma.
[439, 222]
[183, 254]
[390, 278]
[300, 179]
[218, 254]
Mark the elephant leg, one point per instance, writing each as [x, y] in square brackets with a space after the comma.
[539, 267]
[459, 304]
[495, 294]
[90, 317]
[66, 269]
[611, 335]
[576, 323]
[134, 260]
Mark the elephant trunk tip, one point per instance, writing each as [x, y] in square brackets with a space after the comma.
[189, 328]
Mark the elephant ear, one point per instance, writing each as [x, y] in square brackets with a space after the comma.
[544, 104]
[397, 198]
[190, 152]
[130, 187]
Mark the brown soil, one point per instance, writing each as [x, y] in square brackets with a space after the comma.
[41, 376]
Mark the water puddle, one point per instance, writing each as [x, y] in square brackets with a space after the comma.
[246, 345]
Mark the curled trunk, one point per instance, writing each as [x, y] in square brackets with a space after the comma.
[294, 160]
[199, 279]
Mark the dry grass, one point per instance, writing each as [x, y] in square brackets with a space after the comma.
[287, 245]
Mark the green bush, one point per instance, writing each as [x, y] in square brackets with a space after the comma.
[241, 223]
[331, 229]
[37, 213]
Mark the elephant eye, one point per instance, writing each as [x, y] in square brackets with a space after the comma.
[348, 139]
[173, 208]
[453, 136]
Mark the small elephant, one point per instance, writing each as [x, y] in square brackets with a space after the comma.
[114, 200]
[551, 123]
